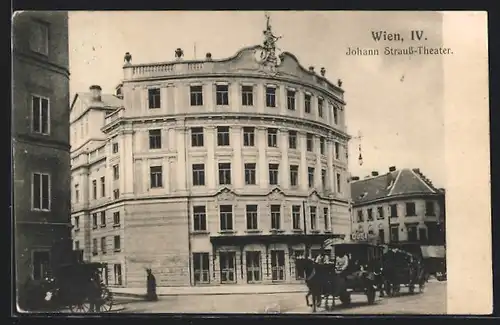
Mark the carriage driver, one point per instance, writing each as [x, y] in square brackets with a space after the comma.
[341, 262]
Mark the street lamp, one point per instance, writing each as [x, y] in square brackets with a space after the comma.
[360, 157]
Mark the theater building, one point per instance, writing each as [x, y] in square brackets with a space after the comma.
[215, 171]
[398, 206]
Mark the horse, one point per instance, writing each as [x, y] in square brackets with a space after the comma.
[400, 267]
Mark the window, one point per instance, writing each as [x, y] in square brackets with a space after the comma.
[94, 220]
[273, 174]
[310, 176]
[292, 139]
[320, 107]
[154, 139]
[294, 175]
[410, 209]
[323, 178]
[197, 137]
[394, 233]
[247, 95]
[307, 103]
[429, 208]
[381, 236]
[339, 188]
[422, 235]
[41, 192]
[369, 212]
[77, 193]
[222, 94]
[118, 274]
[41, 264]
[117, 243]
[309, 142]
[94, 247]
[380, 213]
[412, 233]
[116, 193]
[103, 186]
[360, 216]
[156, 177]
[272, 138]
[223, 136]
[296, 217]
[278, 265]
[299, 274]
[40, 114]
[337, 151]
[290, 100]
[116, 172]
[253, 266]
[77, 245]
[227, 263]
[94, 189]
[201, 264]
[224, 173]
[115, 147]
[312, 215]
[275, 216]
[196, 95]
[322, 145]
[116, 218]
[248, 137]
[250, 174]
[103, 245]
[77, 222]
[394, 210]
[103, 218]
[199, 218]
[326, 218]
[270, 97]
[198, 174]
[154, 98]
[39, 37]
[226, 217]
[335, 114]
[251, 211]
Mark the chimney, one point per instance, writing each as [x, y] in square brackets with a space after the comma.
[118, 92]
[374, 173]
[392, 169]
[416, 170]
[355, 178]
[96, 92]
[208, 56]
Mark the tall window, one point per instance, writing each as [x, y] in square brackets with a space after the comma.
[360, 216]
[309, 142]
[155, 173]
[77, 222]
[412, 233]
[339, 188]
[77, 193]
[39, 37]
[393, 210]
[296, 217]
[323, 178]
[294, 175]
[115, 147]
[94, 247]
[116, 218]
[322, 146]
[290, 100]
[250, 174]
[310, 176]
[155, 139]
[223, 136]
[103, 218]
[394, 233]
[94, 189]
[41, 264]
[116, 194]
[410, 209]
[320, 107]
[251, 213]
[103, 186]
[198, 174]
[335, 114]
[196, 95]
[270, 97]
[273, 174]
[77, 245]
[103, 245]
[369, 213]
[292, 139]
[275, 216]
[197, 137]
[337, 151]
[253, 265]
[224, 173]
[116, 172]
[312, 215]
[201, 262]
[94, 220]
[326, 218]
[41, 192]
[226, 217]
[272, 138]
[118, 274]
[40, 114]
[117, 243]
[248, 136]
[247, 95]
[307, 103]
[380, 213]
[430, 208]
[222, 94]
[199, 218]
[154, 98]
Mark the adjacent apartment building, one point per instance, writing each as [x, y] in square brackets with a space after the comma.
[40, 144]
[210, 171]
[398, 206]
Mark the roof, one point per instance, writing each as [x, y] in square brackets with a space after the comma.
[400, 182]
[107, 100]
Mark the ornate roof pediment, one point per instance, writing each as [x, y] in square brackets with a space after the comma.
[276, 194]
[225, 194]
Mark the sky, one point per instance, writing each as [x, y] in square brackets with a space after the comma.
[394, 102]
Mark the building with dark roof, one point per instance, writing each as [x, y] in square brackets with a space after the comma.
[398, 206]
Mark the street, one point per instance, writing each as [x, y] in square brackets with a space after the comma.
[431, 301]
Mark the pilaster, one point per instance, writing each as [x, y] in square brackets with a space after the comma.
[237, 164]
[262, 168]
[303, 161]
[284, 172]
[181, 168]
[317, 167]
[211, 165]
[329, 162]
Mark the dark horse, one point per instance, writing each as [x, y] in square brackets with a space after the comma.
[321, 280]
[401, 267]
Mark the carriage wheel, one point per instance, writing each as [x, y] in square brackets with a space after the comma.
[80, 307]
[106, 302]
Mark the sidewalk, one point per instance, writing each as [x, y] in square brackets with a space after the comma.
[228, 289]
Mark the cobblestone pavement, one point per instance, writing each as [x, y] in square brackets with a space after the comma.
[431, 301]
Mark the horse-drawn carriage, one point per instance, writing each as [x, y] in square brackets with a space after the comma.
[435, 261]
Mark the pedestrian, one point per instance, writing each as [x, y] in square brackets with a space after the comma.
[151, 286]
[94, 294]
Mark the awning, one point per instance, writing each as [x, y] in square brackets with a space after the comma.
[433, 251]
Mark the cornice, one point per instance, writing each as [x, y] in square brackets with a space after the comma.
[43, 63]
[399, 197]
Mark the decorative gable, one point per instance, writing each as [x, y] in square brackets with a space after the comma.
[276, 195]
[225, 194]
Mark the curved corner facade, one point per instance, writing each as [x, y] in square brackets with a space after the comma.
[214, 171]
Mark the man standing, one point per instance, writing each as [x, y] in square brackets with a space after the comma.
[151, 286]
